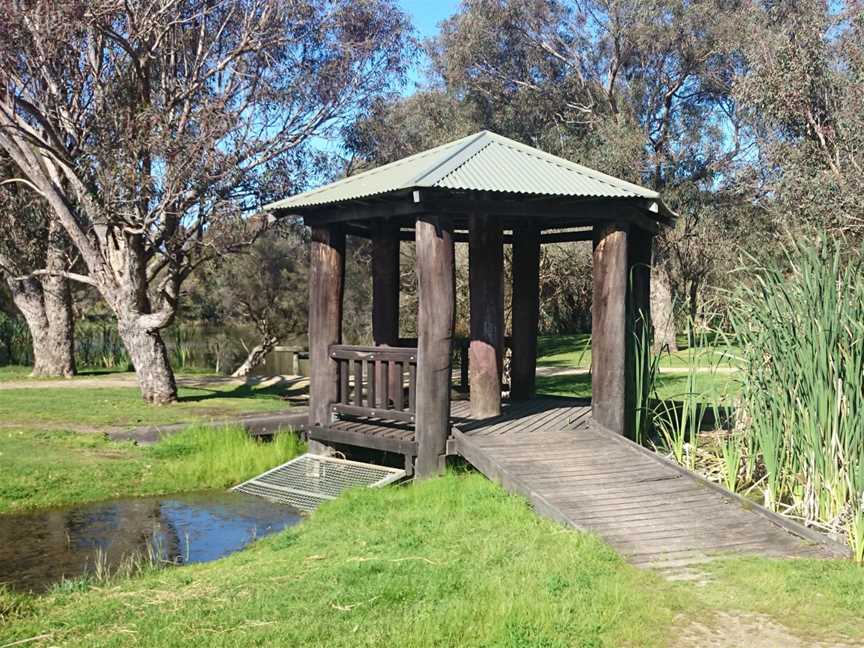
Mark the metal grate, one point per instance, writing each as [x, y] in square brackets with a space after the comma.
[309, 480]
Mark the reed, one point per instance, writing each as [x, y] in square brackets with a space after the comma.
[801, 328]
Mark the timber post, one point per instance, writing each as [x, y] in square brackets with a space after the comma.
[486, 289]
[385, 296]
[640, 244]
[326, 285]
[609, 327]
[526, 311]
[437, 306]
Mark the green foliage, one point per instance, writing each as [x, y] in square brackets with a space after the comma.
[801, 327]
[219, 458]
[15, 345]
[39, 469]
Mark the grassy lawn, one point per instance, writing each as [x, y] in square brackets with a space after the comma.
[39, 469]
[454, 562]
[98, 407]
[574, 351]
[22, 372]
[710, 387]
[450, 561]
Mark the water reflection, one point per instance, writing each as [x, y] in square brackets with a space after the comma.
[39, 549]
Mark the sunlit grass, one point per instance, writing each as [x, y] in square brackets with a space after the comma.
[449, 562]
[574, 351]
[39, 469]
[77, 408]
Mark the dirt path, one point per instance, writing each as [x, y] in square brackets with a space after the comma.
[128, 380]
[736, 629]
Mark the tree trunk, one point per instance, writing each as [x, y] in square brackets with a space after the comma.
[49, 320]
[662, 313]
[150, 359]
[256, 357]
[694, 303]
[57, 297]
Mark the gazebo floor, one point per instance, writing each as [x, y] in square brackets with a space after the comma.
[652, 511]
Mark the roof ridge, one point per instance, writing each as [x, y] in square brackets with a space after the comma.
[550, 158]
[457, 158]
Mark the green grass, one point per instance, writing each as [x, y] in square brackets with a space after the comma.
[448, 562]
[78, 407]
[39, 469]
[805, 595]
[574, 351]
[710, 387]
[453, 562]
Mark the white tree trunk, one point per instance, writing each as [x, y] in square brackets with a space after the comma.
[150, 360]
[45, 301]
[256, 357]
[49, 319]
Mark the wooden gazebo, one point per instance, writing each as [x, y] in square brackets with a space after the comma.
[487, 191]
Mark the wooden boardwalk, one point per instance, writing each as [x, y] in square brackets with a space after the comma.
[653, 512]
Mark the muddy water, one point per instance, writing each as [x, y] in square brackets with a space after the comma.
[40, 549]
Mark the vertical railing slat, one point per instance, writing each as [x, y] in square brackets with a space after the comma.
[343, 381]
[412, 386]
[385, 385]
[370, 381]
[358, 383]
[399, 396]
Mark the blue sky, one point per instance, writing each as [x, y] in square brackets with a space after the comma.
[426, 14]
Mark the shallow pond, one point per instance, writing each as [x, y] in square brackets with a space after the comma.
[39, 549]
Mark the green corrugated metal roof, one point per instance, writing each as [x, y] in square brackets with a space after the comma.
[480, 162]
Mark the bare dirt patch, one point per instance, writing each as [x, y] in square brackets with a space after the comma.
[736, 629]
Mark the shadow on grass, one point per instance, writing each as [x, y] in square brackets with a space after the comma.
[710, 388]
[291, 390]
[578, 385]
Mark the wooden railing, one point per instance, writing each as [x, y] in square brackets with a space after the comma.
[377, 382]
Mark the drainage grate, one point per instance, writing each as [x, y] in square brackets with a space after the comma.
[310, 479]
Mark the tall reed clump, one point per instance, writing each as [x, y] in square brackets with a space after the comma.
[801, 329]
[218, 457]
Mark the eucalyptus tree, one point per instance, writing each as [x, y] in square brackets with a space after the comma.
[153, 128]
[640, 90]
[34, 251]
[802, 88]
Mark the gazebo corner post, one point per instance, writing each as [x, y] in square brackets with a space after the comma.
[609, 330]
[326, 288]
[525, 309]
[620, 323]
[385, 297]
[486, 289]
[436, 288]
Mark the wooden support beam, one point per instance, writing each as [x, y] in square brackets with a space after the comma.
[436, 291]
[507, 239]
[326, 284]
[526, 311]
[567, 237]
[385, 297]
[609, 327]
[486, 288]
[640, 246]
